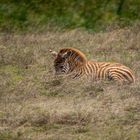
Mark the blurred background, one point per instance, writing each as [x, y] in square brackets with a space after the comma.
[41, 15]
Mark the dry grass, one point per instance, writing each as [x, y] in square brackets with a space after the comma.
[35, 105]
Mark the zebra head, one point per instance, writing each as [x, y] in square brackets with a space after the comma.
[67, 60]
[61, 64]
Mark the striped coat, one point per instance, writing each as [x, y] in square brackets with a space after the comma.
[73, 61]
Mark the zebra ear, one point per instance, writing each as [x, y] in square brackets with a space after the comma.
[66, 54]
[54, 54]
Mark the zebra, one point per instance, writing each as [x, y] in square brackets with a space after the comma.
[73, 61]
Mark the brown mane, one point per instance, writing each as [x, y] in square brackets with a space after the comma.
[82, 57]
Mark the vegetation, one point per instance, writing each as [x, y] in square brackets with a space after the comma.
[41, 15]
[35, 105]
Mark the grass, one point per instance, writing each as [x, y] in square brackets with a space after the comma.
[34, 104]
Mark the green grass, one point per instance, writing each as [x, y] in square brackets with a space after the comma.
[34, 104]
[14, 73]
[39, 16]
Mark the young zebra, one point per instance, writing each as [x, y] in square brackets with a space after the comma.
[73, 61]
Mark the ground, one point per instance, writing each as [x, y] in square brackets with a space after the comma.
[36, 105]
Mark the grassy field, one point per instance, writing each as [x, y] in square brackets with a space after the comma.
[35, 105]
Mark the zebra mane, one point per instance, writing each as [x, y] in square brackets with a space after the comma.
[72, 51]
